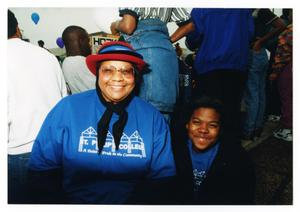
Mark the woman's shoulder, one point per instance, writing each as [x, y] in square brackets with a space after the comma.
[141, 103]
[85, 95]
[145, 110]
[74, 100]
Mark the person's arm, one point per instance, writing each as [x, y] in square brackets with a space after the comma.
[184, 22]
[193, 40]
[125, 25]
[182, 31]
[278, 26]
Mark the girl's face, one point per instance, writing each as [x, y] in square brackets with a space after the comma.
[203, 128]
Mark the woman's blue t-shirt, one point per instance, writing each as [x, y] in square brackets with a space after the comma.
[68, 140]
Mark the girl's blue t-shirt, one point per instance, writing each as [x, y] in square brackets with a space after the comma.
[68, 140]
[201, 162]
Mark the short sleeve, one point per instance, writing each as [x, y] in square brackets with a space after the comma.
[266, 16]
[197, 17]
[251, 28]
[180, 16]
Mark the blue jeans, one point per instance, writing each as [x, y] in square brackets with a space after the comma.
[17, 178]
[255, 94]
[161, 80]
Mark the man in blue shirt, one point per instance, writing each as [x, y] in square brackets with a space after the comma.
[222, 37]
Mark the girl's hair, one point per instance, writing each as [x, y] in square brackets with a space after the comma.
[204, 102]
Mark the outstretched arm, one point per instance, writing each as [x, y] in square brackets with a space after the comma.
[278, 27]
[182, 31]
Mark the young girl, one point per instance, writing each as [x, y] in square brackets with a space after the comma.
[210, 170]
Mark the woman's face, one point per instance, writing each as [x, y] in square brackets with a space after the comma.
[203, 128]
[116, 80]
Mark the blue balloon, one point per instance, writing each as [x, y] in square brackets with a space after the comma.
[35, 17]
[60, 42]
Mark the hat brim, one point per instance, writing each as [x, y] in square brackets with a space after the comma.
[92, 60]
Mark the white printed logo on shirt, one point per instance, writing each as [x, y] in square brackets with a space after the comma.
[130, 146]
[199, 176]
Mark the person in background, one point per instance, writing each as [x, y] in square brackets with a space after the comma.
[76, 72]
[210, 170]
[146, 30]
[282, 70]
[185, 78]
[255, 93]
[105, 146]
[35, 85]
[272, 95]
[286, 16]
[222, 39]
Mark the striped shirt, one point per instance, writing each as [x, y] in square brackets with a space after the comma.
[178, 15]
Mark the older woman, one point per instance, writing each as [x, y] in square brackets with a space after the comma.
[104, 142]
[210, 169]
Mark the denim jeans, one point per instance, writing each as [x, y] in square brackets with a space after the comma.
[160, 82]
[17, 178]
[255, 93]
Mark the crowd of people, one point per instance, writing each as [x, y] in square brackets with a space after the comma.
[115, 127]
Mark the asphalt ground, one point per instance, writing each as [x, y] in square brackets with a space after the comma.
[273, 159]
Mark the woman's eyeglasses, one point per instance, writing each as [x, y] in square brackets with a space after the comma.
[109, 71]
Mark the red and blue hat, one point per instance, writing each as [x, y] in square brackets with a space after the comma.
[115, 50]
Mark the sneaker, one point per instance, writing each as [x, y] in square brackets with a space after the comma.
[273, 118]
[284, 134]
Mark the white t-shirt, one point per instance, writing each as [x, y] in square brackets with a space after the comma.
[35, 85]
[77, 75]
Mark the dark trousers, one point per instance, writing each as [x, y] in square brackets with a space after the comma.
[272, 94]
[17, 179]
[285, 88]
[228, 86]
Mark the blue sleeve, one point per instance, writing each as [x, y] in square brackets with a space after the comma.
[47, 149]
[162, 160]
[197, 18]
[193, 40]
[251, 28]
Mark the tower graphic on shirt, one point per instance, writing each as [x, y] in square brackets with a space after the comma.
[130, 146]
